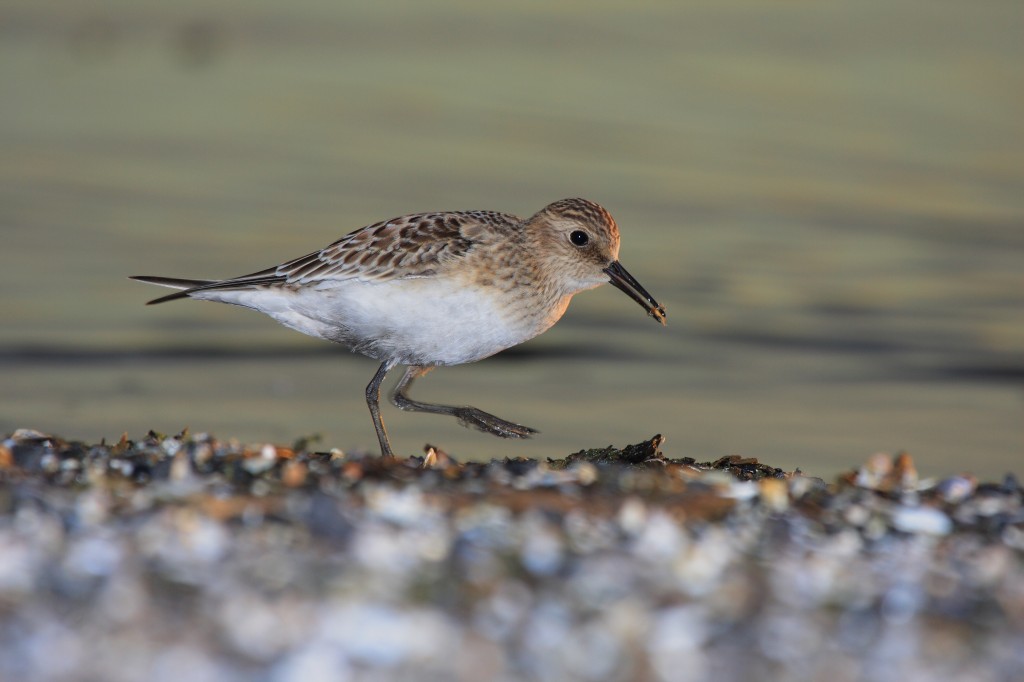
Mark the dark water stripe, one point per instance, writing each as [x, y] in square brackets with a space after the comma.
[55, 355]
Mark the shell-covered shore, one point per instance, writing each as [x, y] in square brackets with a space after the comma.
[189, 557]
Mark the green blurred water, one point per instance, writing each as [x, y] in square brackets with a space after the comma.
[828, 197]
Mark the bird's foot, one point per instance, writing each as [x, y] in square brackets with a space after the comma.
[478, 419]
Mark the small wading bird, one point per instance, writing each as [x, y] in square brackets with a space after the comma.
[436, 289]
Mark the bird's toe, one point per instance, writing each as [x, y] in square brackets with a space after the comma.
[478, 419]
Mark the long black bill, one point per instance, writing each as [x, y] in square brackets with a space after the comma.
[625, 281]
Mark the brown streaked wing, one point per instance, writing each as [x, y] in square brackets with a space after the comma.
[410, 246]
[415, 245]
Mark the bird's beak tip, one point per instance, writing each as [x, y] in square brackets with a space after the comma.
[625, 282]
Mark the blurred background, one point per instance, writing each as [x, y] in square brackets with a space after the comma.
[828, 198]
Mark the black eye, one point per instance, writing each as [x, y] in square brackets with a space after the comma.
[579, 237]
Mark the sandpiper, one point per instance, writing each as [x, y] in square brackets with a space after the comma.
[436, 289]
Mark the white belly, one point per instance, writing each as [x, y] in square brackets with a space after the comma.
[414, 321]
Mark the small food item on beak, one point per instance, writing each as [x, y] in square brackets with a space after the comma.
[632, 288]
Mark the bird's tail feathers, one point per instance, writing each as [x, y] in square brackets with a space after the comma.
[187, 285]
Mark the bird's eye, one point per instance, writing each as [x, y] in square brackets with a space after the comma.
[579, 237]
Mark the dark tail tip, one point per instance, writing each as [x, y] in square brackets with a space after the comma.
[169, 297]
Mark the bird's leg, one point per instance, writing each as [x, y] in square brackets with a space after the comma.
[373, 402]
[467, 416]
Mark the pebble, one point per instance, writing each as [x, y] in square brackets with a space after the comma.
[921, 520]
[192, 557]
